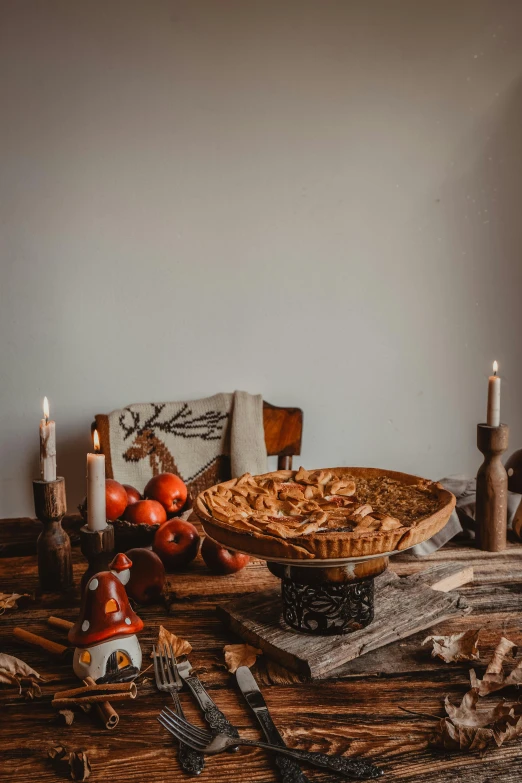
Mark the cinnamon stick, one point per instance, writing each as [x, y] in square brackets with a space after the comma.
[39, 641]
[95, 694]
[109, 689]
[105, 711]
[59, 623]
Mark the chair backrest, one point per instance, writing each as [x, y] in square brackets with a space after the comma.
[283, 432]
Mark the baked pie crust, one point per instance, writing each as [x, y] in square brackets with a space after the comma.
[328, 513]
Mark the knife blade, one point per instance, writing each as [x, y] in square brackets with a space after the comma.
[289, 769]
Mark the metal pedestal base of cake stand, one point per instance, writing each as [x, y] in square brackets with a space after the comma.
[329, 599]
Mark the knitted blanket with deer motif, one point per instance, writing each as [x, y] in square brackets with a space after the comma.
[203, 441]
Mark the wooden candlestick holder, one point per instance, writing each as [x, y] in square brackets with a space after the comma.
[492, 488]
[53, 545]
[98, 547]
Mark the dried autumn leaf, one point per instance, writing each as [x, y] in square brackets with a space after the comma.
[466, 728]
[237, 655]
[494, 678]
[9, 600]
[13, 671]
[179, 646]
[469, 728]
[455, 647]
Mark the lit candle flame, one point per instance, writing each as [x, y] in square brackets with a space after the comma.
[46, 409]
[96, 440]
[495, 367]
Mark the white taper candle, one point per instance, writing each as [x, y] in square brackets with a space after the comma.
[493, 418]
[96, 516]
[47, 445]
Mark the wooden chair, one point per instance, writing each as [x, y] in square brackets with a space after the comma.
[283, 431]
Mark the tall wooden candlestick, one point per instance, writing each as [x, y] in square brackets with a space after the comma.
[492, 488]
[53, 545]
[98, 547]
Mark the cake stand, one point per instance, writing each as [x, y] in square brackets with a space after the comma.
[327, 597]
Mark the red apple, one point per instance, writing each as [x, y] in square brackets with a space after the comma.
[145, 512]
[176, 542]
[221, 560]
[147, 576]
[132, 494]
[115, 499]
[169, 490]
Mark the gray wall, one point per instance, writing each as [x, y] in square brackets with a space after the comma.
[316, 200]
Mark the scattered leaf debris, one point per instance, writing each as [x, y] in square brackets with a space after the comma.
[74, 763]
[68, 716]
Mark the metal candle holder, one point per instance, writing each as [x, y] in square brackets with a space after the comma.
[492, 488]
[53, 546]
[98, 547]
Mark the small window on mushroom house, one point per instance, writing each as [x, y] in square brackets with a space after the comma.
[85, 656]
[111, 606]
[122, 659]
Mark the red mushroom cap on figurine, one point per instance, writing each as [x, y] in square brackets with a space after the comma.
[105, 612]
[120, 563]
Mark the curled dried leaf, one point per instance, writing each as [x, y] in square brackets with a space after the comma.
[237, 655]
[455, 647]
[180, 646]
[13, 671]
[10, 600]
[494, 679]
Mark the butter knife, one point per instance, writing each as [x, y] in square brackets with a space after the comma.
[289, 768]
[211, 712]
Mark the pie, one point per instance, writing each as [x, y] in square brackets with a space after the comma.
[328, 513]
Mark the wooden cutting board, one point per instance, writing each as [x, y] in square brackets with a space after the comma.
[403, 606]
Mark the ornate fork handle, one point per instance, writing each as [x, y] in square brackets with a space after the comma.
[289, 769]
[213, 715]
[191, 761]
[218, 722]
[357, 769]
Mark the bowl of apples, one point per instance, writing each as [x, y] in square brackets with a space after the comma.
[136, 517]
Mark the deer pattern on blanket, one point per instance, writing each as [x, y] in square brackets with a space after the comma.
[148, 440]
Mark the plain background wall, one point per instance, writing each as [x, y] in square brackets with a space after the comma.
[316, 200]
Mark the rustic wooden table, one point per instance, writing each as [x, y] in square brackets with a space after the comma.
[356, 711]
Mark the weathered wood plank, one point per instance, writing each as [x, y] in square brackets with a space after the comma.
[402, 607]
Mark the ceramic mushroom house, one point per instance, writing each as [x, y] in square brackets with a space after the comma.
[107, 648]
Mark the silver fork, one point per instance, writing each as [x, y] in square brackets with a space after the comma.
[190, 759]
[211, 744]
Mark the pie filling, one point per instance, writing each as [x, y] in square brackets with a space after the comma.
[318, 501]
